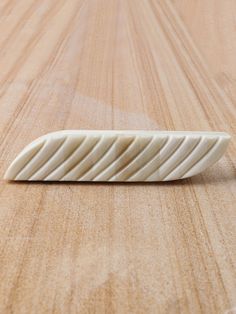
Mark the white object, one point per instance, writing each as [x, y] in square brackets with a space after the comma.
[117, 156]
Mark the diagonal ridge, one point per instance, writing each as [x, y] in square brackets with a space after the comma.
[89, 155]
[49, 158]
[94, 165]
[77, 162]
[31, 160]
[182, 159]
[153, 157]
[38, 167]
[78, 155]
[82, 159]
[139, 153]
[117, 157]
[149, 160]
[105, 155]
[201, 157]
[27, 161]
[167, 158]
[61, 164]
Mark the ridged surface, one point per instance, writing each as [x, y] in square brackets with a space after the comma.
[117, 156]
[161, 248]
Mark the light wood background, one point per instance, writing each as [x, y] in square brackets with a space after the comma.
[117, 248]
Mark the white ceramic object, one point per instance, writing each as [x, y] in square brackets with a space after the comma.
[117, 156]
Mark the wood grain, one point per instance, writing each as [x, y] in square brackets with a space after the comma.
[118, 64]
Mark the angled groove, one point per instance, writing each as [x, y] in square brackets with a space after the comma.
[57, 151]
[78, 161]
[105, 153]
[117, 157]
[34, 155]
[86, 155]
[50, 157]
[150, 159]
[131, 156]
[167, 158]
[183, 159]
[89, 154]
[72, 153]
[142, 149]
[39, 167]
[201, 157]
[153, 157]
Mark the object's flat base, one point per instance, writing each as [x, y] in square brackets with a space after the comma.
[117, 156]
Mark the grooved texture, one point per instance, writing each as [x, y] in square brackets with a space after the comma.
[153, 248]
[117, 156]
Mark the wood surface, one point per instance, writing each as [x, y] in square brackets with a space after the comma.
[117, 248]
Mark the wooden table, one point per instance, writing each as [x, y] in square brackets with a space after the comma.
[117, 248]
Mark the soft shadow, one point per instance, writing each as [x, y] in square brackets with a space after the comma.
[200, 179]
[177, 182]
